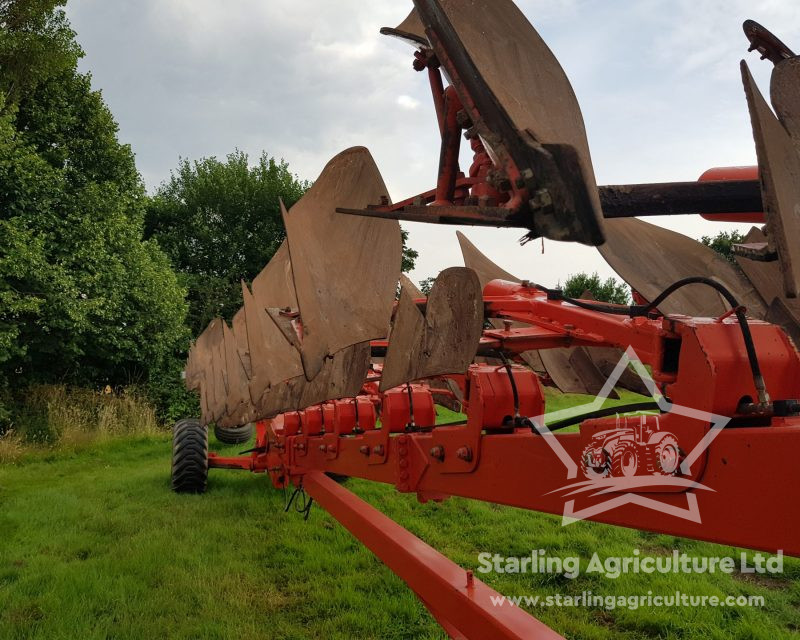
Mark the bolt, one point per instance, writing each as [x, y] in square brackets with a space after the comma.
[300, 446]
[470, 579]
[404, 476]
[403, 463]
[527, 174]
[378, 449]
[541, 200]
[465, 454]
[527, 284]
[437, 452]
[364, 449]
[331, 448]
[569, 326]
[322, 448]
[463, 119]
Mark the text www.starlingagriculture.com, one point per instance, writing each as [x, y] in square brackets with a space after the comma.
[610, 602]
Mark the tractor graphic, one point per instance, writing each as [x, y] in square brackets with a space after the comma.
[634, 449]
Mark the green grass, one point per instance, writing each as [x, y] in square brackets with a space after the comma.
[93, 544]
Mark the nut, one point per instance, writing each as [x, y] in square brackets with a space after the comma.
[464, 453]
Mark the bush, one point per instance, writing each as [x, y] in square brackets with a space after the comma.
[609, 290]
[57, 415]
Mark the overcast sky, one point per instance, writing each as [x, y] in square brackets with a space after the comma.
[658, 82]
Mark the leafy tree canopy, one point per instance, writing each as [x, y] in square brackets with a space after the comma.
[608, 290]
[83, 299]
[36, 44]
[426, 285]
[723, 243]
[220, 223]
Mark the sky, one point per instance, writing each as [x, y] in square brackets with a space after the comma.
[658, 82]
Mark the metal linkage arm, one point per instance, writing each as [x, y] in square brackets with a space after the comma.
[461, 603]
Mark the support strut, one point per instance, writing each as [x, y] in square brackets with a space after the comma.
[461, 603]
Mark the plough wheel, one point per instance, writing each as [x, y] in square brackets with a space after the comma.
[189, 456]
[234, 435]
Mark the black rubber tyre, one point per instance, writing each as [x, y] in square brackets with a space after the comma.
[189, 456]
[234, 435]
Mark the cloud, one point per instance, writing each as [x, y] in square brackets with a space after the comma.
[657, 81]
[407, 102]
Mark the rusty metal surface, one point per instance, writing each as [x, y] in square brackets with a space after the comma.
[442, 340]
[199, 372]
[413, 289]
[650, 258]
[272, 358]
[768, 281]
[341, 376]
[522, 105]
[765, 276]
[766, 42]
[759, 251]
[411, 30]
[345, 268]
[618, 201]
[286, 326]
[784, 90]
[779, 171]
[785, 312]
[561, 371]
[274, 285]
[678, 198]
[480, 264]
[239, 328]
[217, 388]
[238, 408]
[554, 362]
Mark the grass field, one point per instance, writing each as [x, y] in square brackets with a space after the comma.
[93, 544]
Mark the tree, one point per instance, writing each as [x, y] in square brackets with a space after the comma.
[84, 299]
[409, 255]
[609, 290]
[36, 44]
[426, 285]
[723, 243]
[220, 222]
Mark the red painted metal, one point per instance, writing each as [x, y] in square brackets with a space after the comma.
[396, 408]
[451, 143]
[498, 456]
[697, 363]
[460, 602]
[732, 173]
